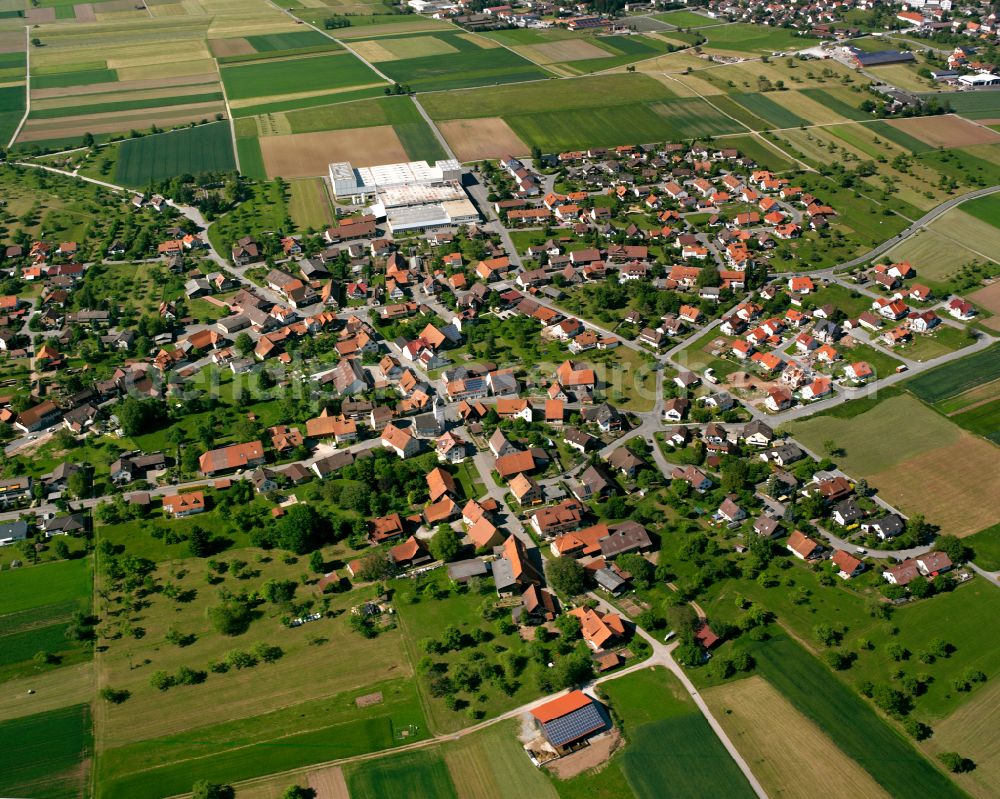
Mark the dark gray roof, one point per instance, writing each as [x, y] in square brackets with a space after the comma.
[573, 726]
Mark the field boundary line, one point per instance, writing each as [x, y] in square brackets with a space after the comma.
[751, 131]
[332, 38]
[27, 86]
[440, 136]
[230, 122]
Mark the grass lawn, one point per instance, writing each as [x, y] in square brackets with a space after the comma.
[686, 19]
[309, 205]
[327, 650]
[943, 340]
[852, 303]
[288, 738]
[882, 364]
[424, 609]
[914, 429]
[60, 582]
[421, 773]
[276, 77]
[492, 765]
[754, 39]
[42, 754]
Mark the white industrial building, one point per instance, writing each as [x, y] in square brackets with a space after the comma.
[982, 79]
[408, 195]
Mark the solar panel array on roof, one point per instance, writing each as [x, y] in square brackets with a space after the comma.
[573, 726]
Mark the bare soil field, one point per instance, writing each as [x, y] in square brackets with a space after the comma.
[936, 483]
[305, 155]
[38, 16]
[788, 753]
[84, 12]
[225, 47]
[946, 131]
[125, 86]
[592, 756]
[988, 297]
[11, 42]
[488, 137]
[329, 783]
[567, 50]
[972, 731]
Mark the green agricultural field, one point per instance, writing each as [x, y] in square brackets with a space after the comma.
[914, 429]
[957, 377]
[849, 721]
[986, 546]
[761, 151]
[964, 165]
[309, 205]
[12, 105]
[548, 96]
[728, 105]
[779, 115]
[974, 105]
[206, 148]
[42, 754]
[668, 120]
[897, 136]
[622, 49]
[51, 583]
[85, 77]
[421, 773]
[827, 99]
[414, 133]
[754, 39]
[666, 734]
[491, 764]
[276, 77]
[124, 105]
[274, 42]
[470, 65]
[984, 420]
[986, 209]
[251, 158]
[295, 736]
[686, 19]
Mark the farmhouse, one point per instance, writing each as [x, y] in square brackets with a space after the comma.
[568, 721]
[228, 459]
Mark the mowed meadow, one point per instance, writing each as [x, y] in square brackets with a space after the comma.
[45, 720]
